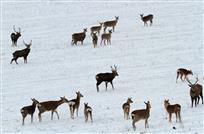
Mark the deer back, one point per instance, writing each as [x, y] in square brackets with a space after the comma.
[196, 90]
[140, 114]
[105, 76]
[147, 18]
[173, 108]
[49, 105]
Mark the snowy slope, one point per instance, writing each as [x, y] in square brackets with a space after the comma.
[147, 58]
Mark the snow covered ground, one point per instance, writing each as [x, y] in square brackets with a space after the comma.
[147, 58]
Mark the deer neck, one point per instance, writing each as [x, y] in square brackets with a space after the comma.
[59, 102]
[78, 100]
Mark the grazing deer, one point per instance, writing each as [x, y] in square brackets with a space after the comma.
[106, 37]
[183, 72]
[141, 114]
[47, 106]
[106, 77]
[176, 108]
[196, 91]
[94, 39]
[74, 104]
[29, 110]
[111, 23]
[126, 108]
[15, 35]
[22, 53]
[96, 29]
[87, 112]
[79, 37]
[147, 18]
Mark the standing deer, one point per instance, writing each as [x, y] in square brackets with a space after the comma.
[111, 23]
[74, 104]
[106, 77]
[96, 29]
[147, 18]
[196, 91]
[78, 37]
[141, 114]
[106, 37]
[22, 53]
[15, 35]
[29, 110]
[47, 106]
[126, 108]
[183, 72]
[87, 112]
[176, 108]
[94, 39]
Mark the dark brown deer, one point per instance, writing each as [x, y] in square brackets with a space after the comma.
[15, 35]
[94, 39]
[176, 108]
[29, 110]
[196, 91]
[183, 72]
[106, 37]
[106, 77]
[47, 106]
[87, 112]
[96, 29]
[126, 108]
[147, 18]
[141, 114]
[111, 23]
[22, 53]
[74, 104]
[79, 37]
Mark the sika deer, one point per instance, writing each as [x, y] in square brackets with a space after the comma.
[47, 106]
[22, 53]
[15, 35]
[106, 37]
[141, 114]
[87, 112]
[96, 29]
[176, 108]
[29, 110]
[126, 108]
[111, 23]
[74, 104]
[78, 37]
[94, 39]
[183, 72]
[106, 77]
[147, 18]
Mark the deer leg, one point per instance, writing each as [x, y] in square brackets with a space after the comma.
[177, 76]
[31, 118]
[198, 100]
[192, 101]
[77, 111]
[104, 29]
[52, 114]
[201, 95]
[97, 84]
[57, 114]
[104, 42]
[113, 28]
[91, 116]
[195, 101]
[179, 114]
[101, 41]
[170, 117]
[112, 85]
[146, 123]
[133, 125]
[151, 22]
[128, 117]
[176, 116]
[106, 85]
[39, 116]
[23, 120]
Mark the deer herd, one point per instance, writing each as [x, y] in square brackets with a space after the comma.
[73, 104]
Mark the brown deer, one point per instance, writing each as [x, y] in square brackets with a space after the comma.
[15, 35]
[106, 37]
[78, 37]
[183, 72]
[29, 110]
[106, 77]
[147, 18]
[141, 114]
[94, 39]
[96, 29]
[196, 91]
[47, 106]
[126, 108]
[176, 108]
[87, 112]
[111, 23]
[74, 104]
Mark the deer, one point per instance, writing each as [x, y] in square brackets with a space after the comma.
[94, 39]
[106, 37]
[141, 114]
[29, 110]
[96, 29]
[78, 37]
[52, 106]
[176, 108]
[106, 77]
[183, 72]
[196, 91]
[74, 104]
[147, 18]
[87, 112]
[111, 23]
[15, 35]
[22, 53]
[126, 108]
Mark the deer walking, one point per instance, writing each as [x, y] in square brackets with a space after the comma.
[15, 35]
[106, 37]
[78, 37]
[147, 18]
[111, 23]
[94, 39]
[96, 29]
[126, 108]
[87, 112]
[183, 72]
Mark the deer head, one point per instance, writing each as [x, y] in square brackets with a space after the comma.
[190, 84]
[79, 94]
[27, 45]
[114, 70]
[141, 15]
[18, 33]
[85, 30]
[148, 105]
[117, 17]
[64, 100]
[35, 102]
[129, 100]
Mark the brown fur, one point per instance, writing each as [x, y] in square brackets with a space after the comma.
[147, 18]
[126, 108]
[78, 37]
[15, 35]
[111, 23]
[94, 39]
[87, 112]
[96, 29]
[183, 72]
[106, 37]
